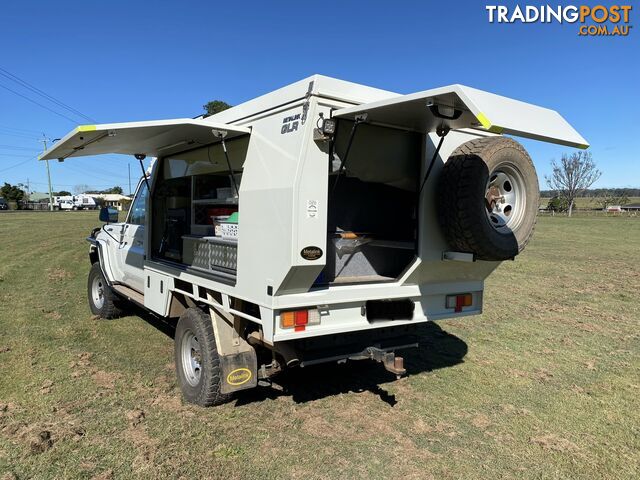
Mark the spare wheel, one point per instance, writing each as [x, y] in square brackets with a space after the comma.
[488, 198]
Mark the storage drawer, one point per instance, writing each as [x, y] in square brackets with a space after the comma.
[211, 253]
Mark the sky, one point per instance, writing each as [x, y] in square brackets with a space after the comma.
[127, 60]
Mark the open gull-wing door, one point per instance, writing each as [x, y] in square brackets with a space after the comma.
[458, 106]
[154, 138]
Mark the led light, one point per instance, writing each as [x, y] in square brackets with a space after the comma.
[302, 318]
[458, 301]
[287, 319]
[314, 316]
[299, 319]
[329, 127]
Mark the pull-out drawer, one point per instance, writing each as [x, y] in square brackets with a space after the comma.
[210, 253]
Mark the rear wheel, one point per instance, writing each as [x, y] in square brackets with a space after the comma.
[197, 360]
[102, 300]
[488, 198]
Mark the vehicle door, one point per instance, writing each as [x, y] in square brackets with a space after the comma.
[130, 252]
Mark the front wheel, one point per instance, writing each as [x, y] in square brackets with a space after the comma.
[102, 300]
[197, 361]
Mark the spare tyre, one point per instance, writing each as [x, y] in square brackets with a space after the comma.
[488, 198]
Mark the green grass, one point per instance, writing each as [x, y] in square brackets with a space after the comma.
[545, 384]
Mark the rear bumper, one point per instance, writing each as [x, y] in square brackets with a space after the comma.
[349, 317]
[349, 346]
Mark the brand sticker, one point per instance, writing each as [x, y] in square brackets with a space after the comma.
[290, 124]
[239, 376]
[311, 253]
[312, 208]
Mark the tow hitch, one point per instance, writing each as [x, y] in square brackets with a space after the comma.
[389, 360]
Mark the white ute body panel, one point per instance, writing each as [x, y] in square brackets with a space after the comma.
[283, 197]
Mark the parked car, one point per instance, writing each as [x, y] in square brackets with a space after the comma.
[74, 202]
[3, 204]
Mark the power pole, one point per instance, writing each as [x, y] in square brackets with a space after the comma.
[129, 166]
[44, 142]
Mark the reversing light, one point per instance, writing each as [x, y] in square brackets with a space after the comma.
[299, 319]
[458, 301]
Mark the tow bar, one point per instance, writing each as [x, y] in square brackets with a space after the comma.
[389, 360]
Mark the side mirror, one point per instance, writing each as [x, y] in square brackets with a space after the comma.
[108, 215]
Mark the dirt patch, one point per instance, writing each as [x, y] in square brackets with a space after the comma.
[46, 387]
[5, 349]
[58, 274]
[40, 442]
[106, 475]
[542, 374]
[54, 315]
[105, 379]
[508, 408]
[554, 442]
[145, 446]
[38, 437]
[135, 417]
[481, 421]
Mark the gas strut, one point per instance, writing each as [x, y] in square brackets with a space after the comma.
[441, 131]
[221, 134]
[358, 120]
[140, 157]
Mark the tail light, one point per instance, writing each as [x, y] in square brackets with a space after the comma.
[458, 301]
[299, 319]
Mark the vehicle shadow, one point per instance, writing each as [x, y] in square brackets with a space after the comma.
[165, 326]
[437, 349]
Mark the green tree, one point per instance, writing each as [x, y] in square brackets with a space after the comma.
[215, 106]
[61, 193]
[558, 204]
[12, 193]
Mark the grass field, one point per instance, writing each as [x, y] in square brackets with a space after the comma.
[545, 384]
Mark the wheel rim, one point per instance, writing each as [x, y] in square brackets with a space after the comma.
[505, 199]
[97, 292]
[191, 358]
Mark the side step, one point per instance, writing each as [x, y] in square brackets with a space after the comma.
[130, 294]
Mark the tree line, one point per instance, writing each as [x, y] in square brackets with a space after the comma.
[598, 192]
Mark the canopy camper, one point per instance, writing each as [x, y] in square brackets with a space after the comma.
[324, 221]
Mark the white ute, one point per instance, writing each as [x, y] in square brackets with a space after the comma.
[320, 222]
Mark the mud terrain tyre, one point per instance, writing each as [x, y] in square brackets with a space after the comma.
[488, 198]
[197, 360]
[102, 300]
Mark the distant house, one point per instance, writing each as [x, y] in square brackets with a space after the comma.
[39, 197]
[632, 207]
[115, 200]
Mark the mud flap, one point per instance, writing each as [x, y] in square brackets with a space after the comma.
[238, 360]
[239, 371]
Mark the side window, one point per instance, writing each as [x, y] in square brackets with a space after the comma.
[137, 211]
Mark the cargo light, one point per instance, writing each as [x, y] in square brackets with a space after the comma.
[299, 319]
[458, 301]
